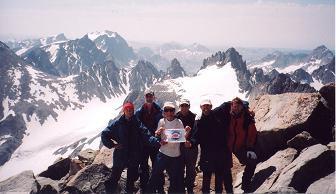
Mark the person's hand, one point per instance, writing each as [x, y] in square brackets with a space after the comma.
[159, 131]
[117, 146]
[163, 142]
[252, 155]
[187, 144]
[187, 131]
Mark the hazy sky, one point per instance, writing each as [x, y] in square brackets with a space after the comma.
[301, 24]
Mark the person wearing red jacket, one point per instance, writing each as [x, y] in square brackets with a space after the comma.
[242, 138]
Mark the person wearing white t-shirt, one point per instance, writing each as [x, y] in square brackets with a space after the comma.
[169, 156]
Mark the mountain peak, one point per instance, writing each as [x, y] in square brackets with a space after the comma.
[60, 37]
[3, 45]
[94, 35]
[175, 70]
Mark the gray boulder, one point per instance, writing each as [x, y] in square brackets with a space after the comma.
[58, 170]
[301, 141]
[48, 185]
[24, 182]
[91, 179]
[104, 157]
[280, 117]
[312, 164]
[267, 172]
[323, 185]
[87, 156]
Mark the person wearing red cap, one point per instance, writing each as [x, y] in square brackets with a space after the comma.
[127, 136]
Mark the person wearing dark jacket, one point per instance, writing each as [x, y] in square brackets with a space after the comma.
[215, 155]
[189, 155]
[149, 114]
[242, 135]
[127, 136]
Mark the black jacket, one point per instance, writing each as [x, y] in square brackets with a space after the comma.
[210, 134]
[188, 120]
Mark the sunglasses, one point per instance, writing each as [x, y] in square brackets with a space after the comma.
[149, 95]
[184, 105]
[169, 110]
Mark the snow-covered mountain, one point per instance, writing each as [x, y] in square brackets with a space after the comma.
[114, 46]
[190, 56]
[289, 62]
[42, 113]
[301, 66]
[22, 46]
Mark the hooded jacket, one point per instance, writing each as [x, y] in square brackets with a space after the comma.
[132, 135]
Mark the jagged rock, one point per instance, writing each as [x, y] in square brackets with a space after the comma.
[24, 182]
[325, 73]
[58, 170]
[267, 172]
[323, 185]
[104, 156]
[331, 146]
[175, 70]
[143, 73]
[48, 185]
[87, 156]
[301, 141]
[281, 83]
[328, 94]
[75, 166]
[91, 179]
[279, 118]
[312, 164]
[301, 76]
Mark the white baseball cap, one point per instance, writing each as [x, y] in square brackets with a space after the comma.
[205, 101]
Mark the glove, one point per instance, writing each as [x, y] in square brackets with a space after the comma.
[252, 155]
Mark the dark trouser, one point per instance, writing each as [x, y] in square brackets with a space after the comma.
[132, 174]
[173, 165]
[220, 175]
[250, 166]
[151, 153]
[189, 157]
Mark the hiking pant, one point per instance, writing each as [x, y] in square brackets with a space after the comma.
[220, 176]
[151, 153]
[132, 175]
[173, 166]
[250, 166]
[189, 158]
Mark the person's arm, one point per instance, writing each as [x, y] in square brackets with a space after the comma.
[108, 135]
[148, 138]
[222, 109]
[251, 136]
[195, 135]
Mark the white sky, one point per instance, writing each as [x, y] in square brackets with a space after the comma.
[302, 24]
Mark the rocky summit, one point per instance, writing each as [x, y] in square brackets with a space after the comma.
[295, 144]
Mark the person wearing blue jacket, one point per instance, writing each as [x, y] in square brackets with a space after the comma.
[127, 135]
[149, 114]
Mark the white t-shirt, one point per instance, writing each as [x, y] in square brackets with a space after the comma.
[170, 149]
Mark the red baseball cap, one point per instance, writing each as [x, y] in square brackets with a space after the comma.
[128, 105]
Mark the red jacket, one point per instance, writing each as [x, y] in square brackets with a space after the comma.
[241, 136]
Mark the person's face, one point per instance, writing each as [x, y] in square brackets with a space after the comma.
[129, 112]
[236, 108]
[206, 109]
[184, 108]
[169, 113]
[149, 98]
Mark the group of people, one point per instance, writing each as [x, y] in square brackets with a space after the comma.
[139, 136]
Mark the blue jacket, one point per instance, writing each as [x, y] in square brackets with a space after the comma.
[132, 135]
[150, 120]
